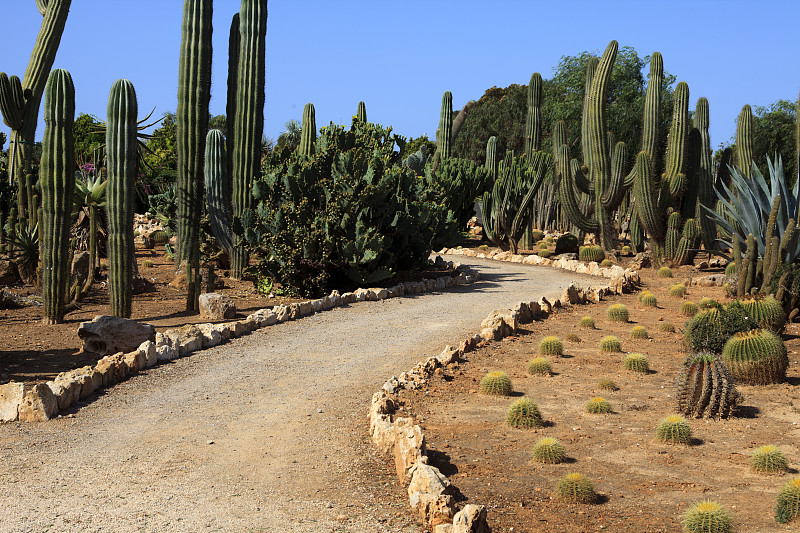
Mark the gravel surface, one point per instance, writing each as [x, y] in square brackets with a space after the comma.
[265, 433]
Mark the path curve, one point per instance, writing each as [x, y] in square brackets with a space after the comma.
[265, 433]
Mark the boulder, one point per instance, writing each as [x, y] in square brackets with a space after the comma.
[110, 334]
[79, 271]
[216, 306]
[166, 350]
[471, 519]
[211, 335]
[711, 280]
[409, 449]
[38, 404]
[11, 396]
[187, 338]
[433, 510]
[8, 273]
[148, 348]
[426, 479]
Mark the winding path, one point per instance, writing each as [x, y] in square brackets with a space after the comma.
[265, 433]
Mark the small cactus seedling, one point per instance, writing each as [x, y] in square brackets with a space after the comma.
[576, 488]
[598, 405]
[639, 332]
[605, 263]
[678, 290]
[523, 413]
[548, 450]
[147, 263]
[496, 383]
[586, 322]
[707, 517]
[591, 253]
[540, 366]
[756, 357]
[689, 309]
[610, 344]
[664, 272]
[571, 337]
[617, 313]
[788, 507]
[544, 253]
[649, 300]
[636, 362]
[706, 302]
[767, 312]
[607, 384]
[769, 459]
[551, 346]
[667, 327]
[674, 429]
[705, 387]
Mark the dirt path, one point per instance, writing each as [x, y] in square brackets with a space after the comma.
[266, 433]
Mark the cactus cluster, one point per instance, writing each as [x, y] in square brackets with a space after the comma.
[540, 366]
[636, 362]
[551, 345]
[707, 517]
[576, 488]
[769, 459]
[496, 383]
[548, 450]
[610, 344]
[617, 313]
[756, 357]
[674, 429]
[524, 413]
[705, 388]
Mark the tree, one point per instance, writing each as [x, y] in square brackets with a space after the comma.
[773, 133]
[89, 138]
[161, 159]
[290, 138]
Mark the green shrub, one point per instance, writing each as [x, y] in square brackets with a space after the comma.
[496, 383]
[689, 309]
[523, 413]
[674, 429]
[548, 450]
[591, 253]
[664, 272]
[610, 344]
[576, 488]
[540, 366]
[586, 322]
[598, 405]
[551, 346]
[678, 290]
[639, 332]
[756, 357]
[617, 313]
[769, 459]
[788, 506]
[707, 517]
[636, 362]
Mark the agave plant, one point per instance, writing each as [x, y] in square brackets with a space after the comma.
[89, 201]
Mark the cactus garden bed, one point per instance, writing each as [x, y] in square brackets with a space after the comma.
[642, 484]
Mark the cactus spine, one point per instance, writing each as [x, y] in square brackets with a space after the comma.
[361, 114]
[744, 141]
[533, 125]
[308, 135]
[121, 153]
[57, 173]
[218, 189]
[249, 123]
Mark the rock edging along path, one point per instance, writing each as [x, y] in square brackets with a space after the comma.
[431, 494]
[42, 401]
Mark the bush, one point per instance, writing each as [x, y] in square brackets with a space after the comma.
[607, 384]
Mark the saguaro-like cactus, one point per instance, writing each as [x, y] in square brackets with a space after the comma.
[744, 141]
[362, 112]
[445, 131]
[308, 135]
[491, 156]
[218, 189]
[249, 123]
[194, 93]
[233, 79]
[533, 125]
[57, 173]
[121, 153]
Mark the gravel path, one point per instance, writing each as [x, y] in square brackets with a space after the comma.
[265, 433]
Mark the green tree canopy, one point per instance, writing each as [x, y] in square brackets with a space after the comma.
[90, 136]
[161, 158]
[773, 133]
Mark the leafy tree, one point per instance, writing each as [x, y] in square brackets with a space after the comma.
[161, 158]
[89, 135]
[773, 132]
[290, 138]
[413, 145]
[219, 122]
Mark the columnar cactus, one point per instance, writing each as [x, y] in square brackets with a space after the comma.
[218, 197]
[533, 125]
[121, 153]
[57, 173]
[744, 141]
[249, 123]
[194, 93]
[705, 387]
[230, 107]
[705, 176]
[308, 135]
[445, 131]
[491, 156]
[361, 114]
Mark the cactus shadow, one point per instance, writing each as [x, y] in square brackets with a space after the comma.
[441, 460]
[793, 380]
[747, 411]
[694, 441]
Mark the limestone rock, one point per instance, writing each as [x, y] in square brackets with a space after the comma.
[712, 280]
[433, 510]
[471, 519]
[166, 349]
[443, 528]
[264, 317]
[448, 355]
[504, 321]
[79, 271]
[571, 295]
[187, 338]
[382, 432]
[135, 360]
[112, 369]
[426, 479]
[38, 404]
[11, 396]
[148, 348]
[409, 449]
[110, 334]
[211, 335]
[281, 313]
[216, 306]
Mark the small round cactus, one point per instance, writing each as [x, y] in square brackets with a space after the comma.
[551, 346]
[667, 327]
[643, 294]
[605, 263]
[591, 253]
[586, 322]
[639, 332]
[548, 450]
[767, 312]
[626, 250]
[496, 383]
[788, 507]
[678, 290]
[607, 384]
[544, 253]
[769, 459]
[731, 269]
[617, 313]
[636, 362]
[706, 302]
[576, 488]
[571, 337]
[674, 429]
[664, 272]
[537, 235]
[523, 413]
[689, 309]
[610, 344]
[159, 237]
[756, 357]
[598, 405]
[147, 263]
[549, 239]
[707, 517]
[540, 366]
[543, 245]
[649, 300]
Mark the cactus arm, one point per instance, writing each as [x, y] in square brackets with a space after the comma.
[218, 189]
[230, 105]
[12, 101]
[675, 173]
[591, 66]
[705, 177]
[361, 114]
[613, 196]
[540, 164]
[491, 156]
[308, 134]
[646, 190]
[458, 122]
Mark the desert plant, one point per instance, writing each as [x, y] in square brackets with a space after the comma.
[567, 243]
[540, 366]
[148, 263]
[159, 237]
[551, 345]
[542, 245]
[617, 313]
[571, 337]
[678, 290]
[756, 357]
[705, 387]
[709, 330]
[610, 344]
[664, 272]
[636, 362]
[591, 253]
[674, 429]
[639, 332]
[218, 190]
[731, 269]
[523, 413]
[689, 309]
[707, 517]
[607, 384]
[586, 322]
[548, 450]
[576, 488]
[496, 383]
[544, 253]
[598, 405]
[643, 294]
[537, 235]
[650, 300]
[706, 302]
[788, 506]
[769, 459]
[361, 114]
[626, 250]
[667, 327]
[767, 312]
[605, 263]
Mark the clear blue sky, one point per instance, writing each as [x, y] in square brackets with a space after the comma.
[400, 56]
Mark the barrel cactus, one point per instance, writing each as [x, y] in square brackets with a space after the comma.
[666, 327]
[636, 362]
[598, 405]
[678, 290]
[551, 345]
[705, 388]
[605, 263]
[769, 459]
[664, 272]
[788, 506]
[767, 312]
[576, 488]
[607, 384]
[756, 357]
[591, 253]
[649, 300]
[540, 366]
[689, 309]
[617, 313]
[707, 517]
[674, 429]
[159, 236]
[496, 383]
[548, 450]
[610, 344]
[586, 322]
[639, 332]
[523, 413]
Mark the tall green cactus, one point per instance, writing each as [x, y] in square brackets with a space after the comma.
[121, 154]
[445, 131]
[218, 196]
[361, 114]
[308, 134]
[57, 173]
[249, 123]
[491, 156]
[194, 93]
[705, 176]
[533, 124]
[230, 108]
[744, 141]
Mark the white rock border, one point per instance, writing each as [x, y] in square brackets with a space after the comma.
[27, 402]
[429, 491]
